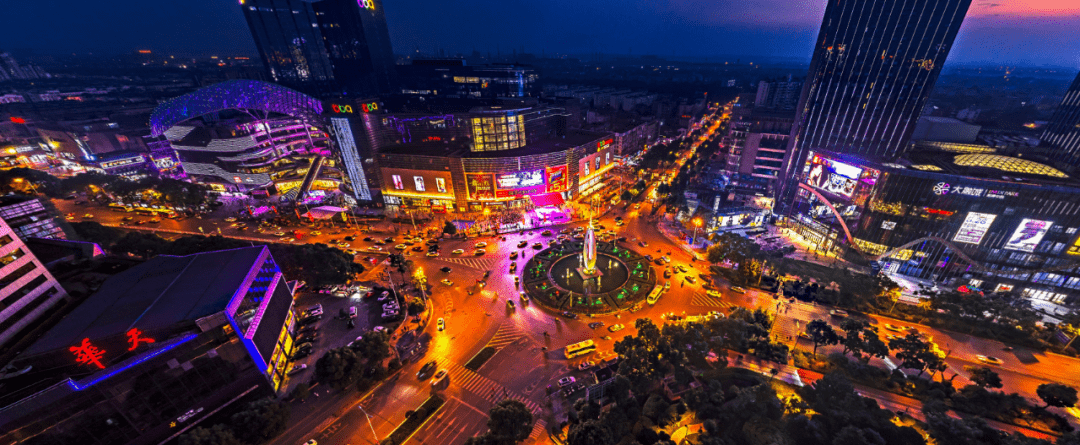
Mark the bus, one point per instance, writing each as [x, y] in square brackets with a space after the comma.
[580, 348]
[655, 294]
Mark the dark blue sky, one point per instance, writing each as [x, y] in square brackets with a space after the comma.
[1014, 32]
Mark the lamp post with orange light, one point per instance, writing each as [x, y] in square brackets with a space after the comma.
[697, 223]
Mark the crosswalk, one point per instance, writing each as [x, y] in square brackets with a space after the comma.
[701, 299]
[538, 429]
[507, 334]
[483, 387]
[475, 263]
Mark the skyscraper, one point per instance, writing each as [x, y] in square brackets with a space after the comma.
[1061, 138]
[323, 47]
[872, 71]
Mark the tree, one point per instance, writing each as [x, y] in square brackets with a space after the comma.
[144, 245]
[510, 420]
[94, 232]
[1056, 394]
[984, 377]
[338, 367]
[216, 435]
[591, 432]
[261, 420]
[915, 353]
[657, 409]
[853, 435]
[449, 228]
[821, 333]
[626, 195]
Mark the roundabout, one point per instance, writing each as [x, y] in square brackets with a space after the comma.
[588, 277]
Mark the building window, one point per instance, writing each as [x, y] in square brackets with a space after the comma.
[17, 273]
[398, 185]
[11, 257]
[22, 291]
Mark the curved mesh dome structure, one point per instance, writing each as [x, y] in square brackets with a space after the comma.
[1008, 164]
[232, 95]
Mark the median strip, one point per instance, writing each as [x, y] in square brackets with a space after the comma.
[413, 421]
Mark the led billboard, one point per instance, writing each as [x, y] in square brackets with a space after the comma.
[557, 179]
[480, 185]
[834, 177]
[974, 227]
[1028, 235]
[523, 179]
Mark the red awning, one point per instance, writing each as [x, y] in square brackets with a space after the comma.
[547, 199]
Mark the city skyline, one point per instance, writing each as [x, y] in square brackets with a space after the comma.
[1028, 32]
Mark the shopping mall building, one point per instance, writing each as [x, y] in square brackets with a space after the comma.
[957, 214]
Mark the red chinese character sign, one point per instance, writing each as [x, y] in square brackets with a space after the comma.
[87, 353]
[135, 337]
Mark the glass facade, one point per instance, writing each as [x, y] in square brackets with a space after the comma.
[874, 65]
[1062, 133]
[500, 132]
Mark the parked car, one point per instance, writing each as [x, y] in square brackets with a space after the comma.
[441, 324]
[616, 327]
[567, 381]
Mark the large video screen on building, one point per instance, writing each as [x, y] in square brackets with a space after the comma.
[480, 185]
[832, 176]
[974, 227]
[1028, 235]
[517, 180]
[557, 179]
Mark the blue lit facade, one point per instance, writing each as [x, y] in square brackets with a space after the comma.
[234, 95]
[212, 347]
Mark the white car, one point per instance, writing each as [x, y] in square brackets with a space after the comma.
[566, 381]
[480, 245]
[446, 281]
[989, 360]
[441, 324]
[401, 247]
[458, 251]
[585, 365]
[892, 327]
[616, 327]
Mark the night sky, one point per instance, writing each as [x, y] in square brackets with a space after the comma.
[1013, 32]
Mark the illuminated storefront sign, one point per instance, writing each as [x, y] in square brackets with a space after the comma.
[398, 185]
[440, 185]
[888, 225]
[942, 188]
[604, 144]
[419, 182]
[348, 109]
[558, 179]
[522, 179]
[834, 177]
[366, 4]
[1074, 249]
[341, 108]
[1028, 235]
[369, 107]
[480, 185]
[974, 227]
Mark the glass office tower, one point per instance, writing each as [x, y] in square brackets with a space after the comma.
[872, 71]
[324, 47]
[1062, 134]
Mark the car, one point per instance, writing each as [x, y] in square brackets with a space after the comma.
[681, 268]
[524, 296]
[666, 259]
[737, 289]
[517, 280]
[418, 249]
[546, 233]
[585, 365]
[128, 219]
[298, 369]
[230, 219]
[691, 279]
[88, 216]
[446, 281]
[303, 346]
[446, 269]
[316, 233]
[667, 285]
[426, 370]
[667, 274]
[369, 239]
[431, 254]
[369, 249]
[892, 327]
[441, 324]
[566, 381]
[301, 354]
[401, 247]
[538, 246]
[439, 377]
[637, 206]
[510, 304]
[480, 245]
[513, 255]
[989, 360]
[479, 252]
[616, 327]
[458, 251]
[379, 329]
[595, 324]
[714, 294]
[310, 319]
[838, 313]
[659, 262]
[620, 223]
[349, 238]
[522, 244]
[643, 244]
[569, 315]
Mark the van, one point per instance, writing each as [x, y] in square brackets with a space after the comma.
[352, 311]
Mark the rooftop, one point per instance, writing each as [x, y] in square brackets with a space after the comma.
[157, 293]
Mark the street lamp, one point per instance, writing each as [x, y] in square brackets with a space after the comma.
[368, 416]
[697, 223]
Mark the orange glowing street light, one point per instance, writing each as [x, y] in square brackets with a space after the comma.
[697, 223]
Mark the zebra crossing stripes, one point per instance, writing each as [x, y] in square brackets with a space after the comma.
[701, 299]
[507, 334]
[538, 429]
[484, 387]
[475, 263]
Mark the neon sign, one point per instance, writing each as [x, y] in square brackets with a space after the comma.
[341, 108]
[369, 107]
[86, 353]
[601, 145]
[366, 4]
[135, 337]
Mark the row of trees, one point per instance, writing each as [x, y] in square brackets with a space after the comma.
[360, 364]
[153, 190]
[316, 264]
[257, 423]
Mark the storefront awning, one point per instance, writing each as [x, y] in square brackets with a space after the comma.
[547, 199]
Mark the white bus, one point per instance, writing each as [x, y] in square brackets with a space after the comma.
[655, 294]
[580, 348]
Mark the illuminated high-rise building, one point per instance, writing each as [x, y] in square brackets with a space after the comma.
[874, 65]
[1061, 137]
[323, 47]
